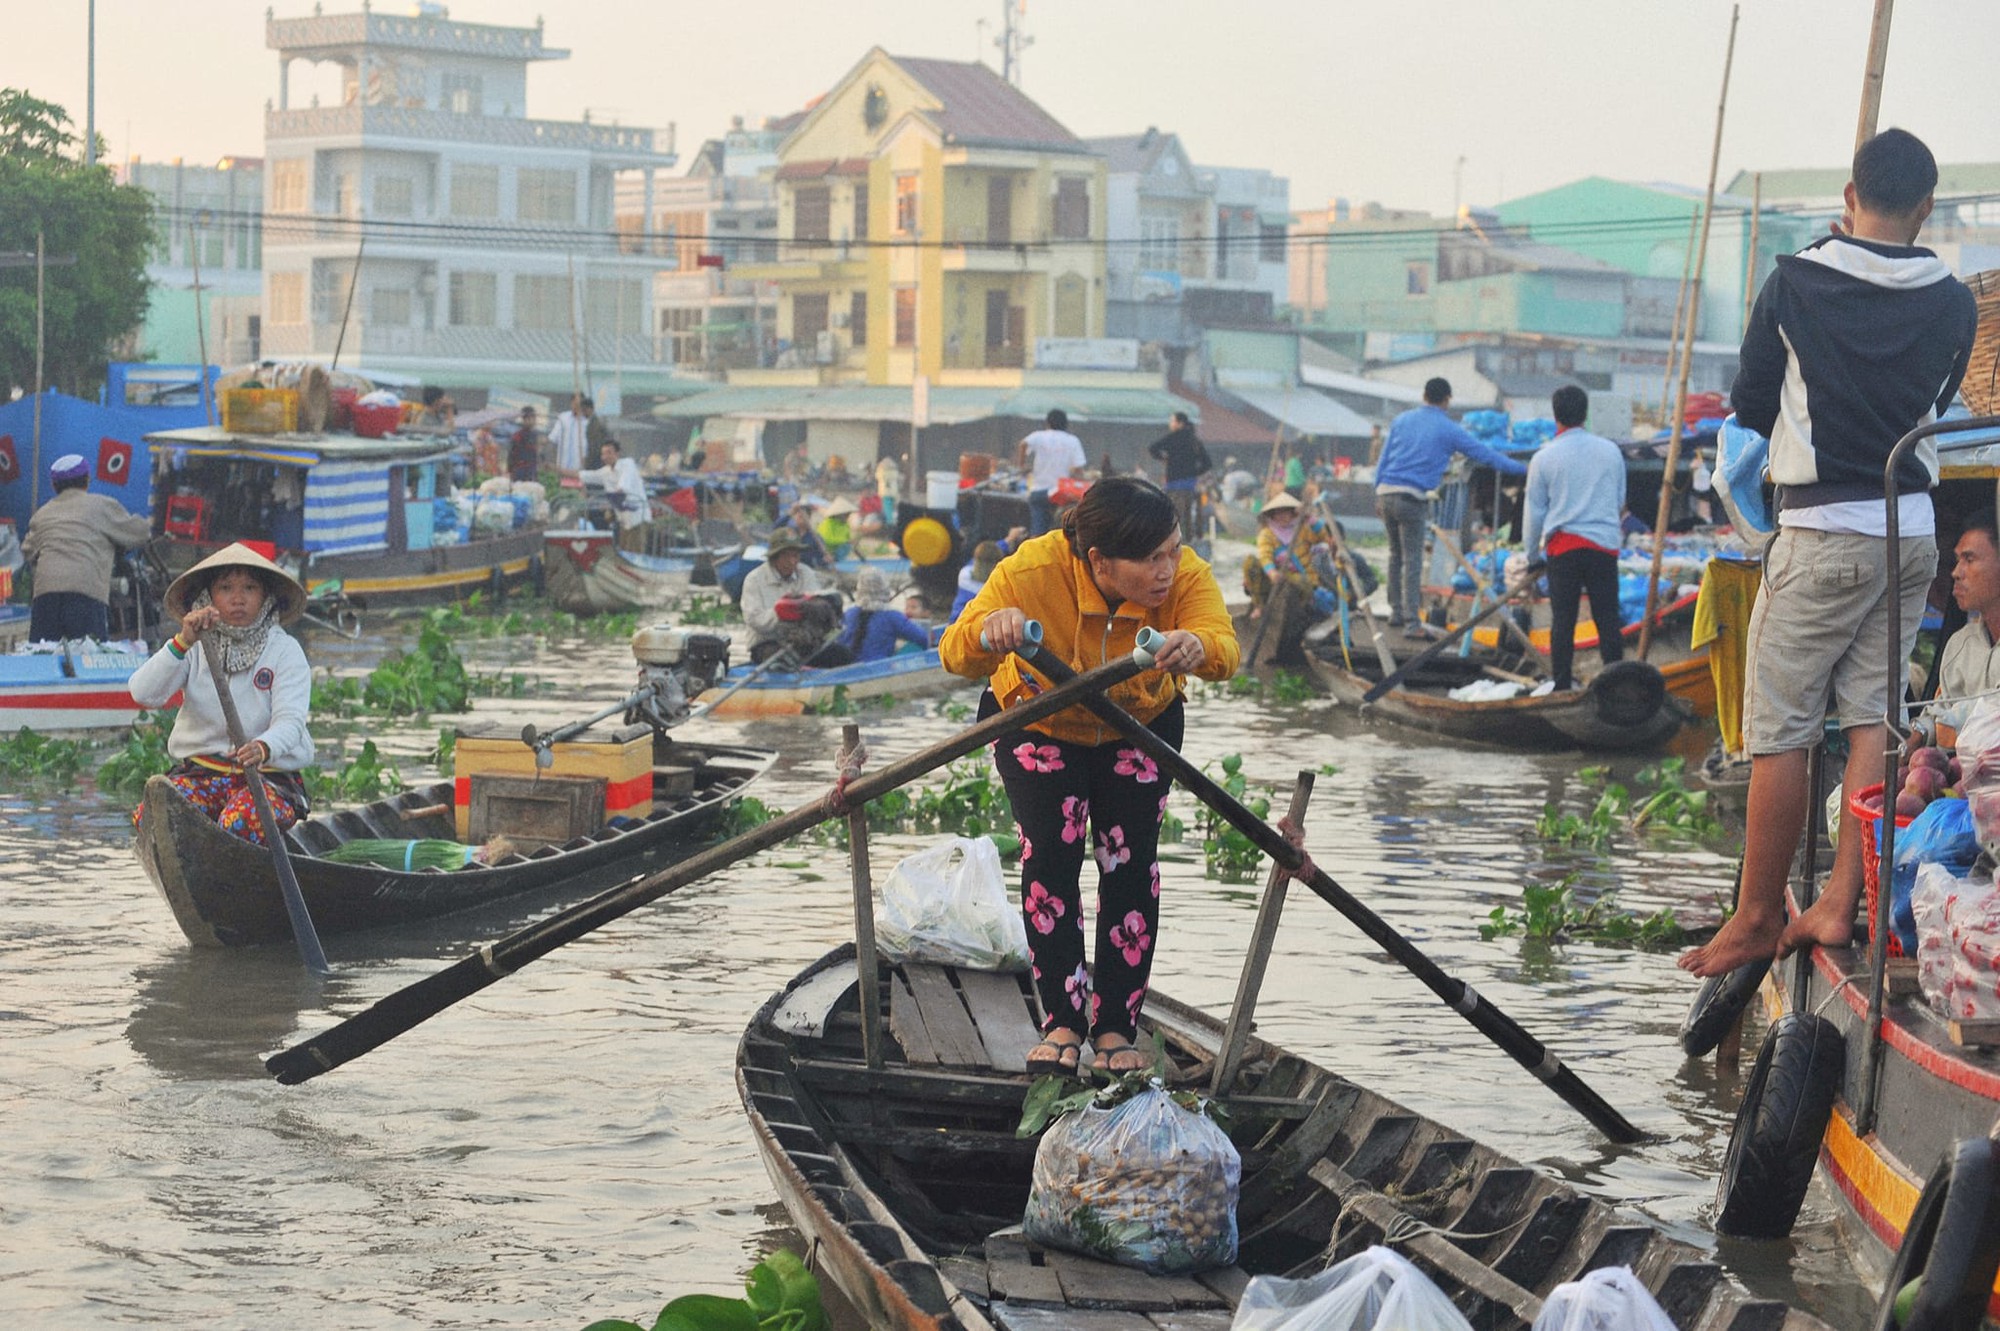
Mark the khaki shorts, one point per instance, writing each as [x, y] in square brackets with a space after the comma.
[1822, 626]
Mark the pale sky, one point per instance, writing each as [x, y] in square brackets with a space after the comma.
[1373, 100]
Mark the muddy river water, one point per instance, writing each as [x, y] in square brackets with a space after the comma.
[567, 1145]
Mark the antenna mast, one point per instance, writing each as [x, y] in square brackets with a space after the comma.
[1013, 38]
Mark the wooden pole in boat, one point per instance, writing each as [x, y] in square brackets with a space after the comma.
[288, 880]
[1385, 658]
[1687, 357]
[1871, 76]
[1750, 259]
[416, 1003]
[1471, 571]
[353, 281]
[1254, 962]
[1680, 312]
[868, 974]
[1489, 1020]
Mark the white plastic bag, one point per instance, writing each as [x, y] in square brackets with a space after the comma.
[1958, 943]
[1144, 1183]
[1610, 1298]
[949, 904]
[1979, 764]
[1935, 886]
[1377, 1290]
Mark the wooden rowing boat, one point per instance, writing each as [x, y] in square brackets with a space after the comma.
[1628, 709]
[82, 686]
[586, 572]
[909, 1182]
[224, 891]
[909, 674]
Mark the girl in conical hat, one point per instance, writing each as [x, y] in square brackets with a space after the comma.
[243, 601]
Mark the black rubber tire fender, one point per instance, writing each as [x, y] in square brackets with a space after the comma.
[1787, 1104]
[1717, 1004]
[1952, 1242]
[1628, 693]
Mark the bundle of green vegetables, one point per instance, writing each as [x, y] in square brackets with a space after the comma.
[411, 856]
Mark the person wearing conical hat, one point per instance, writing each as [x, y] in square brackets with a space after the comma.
[73, 541]
[1289, 545]
[243, 601]
[836, 528]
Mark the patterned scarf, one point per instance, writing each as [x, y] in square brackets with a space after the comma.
[241, 647]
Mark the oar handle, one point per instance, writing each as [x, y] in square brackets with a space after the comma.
[1146, 650]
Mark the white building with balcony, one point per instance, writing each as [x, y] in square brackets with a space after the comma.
[483, 240]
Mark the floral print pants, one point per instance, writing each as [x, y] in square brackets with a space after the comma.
[1076, 802]
[225, 797]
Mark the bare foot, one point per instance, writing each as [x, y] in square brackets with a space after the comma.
[1737, 943]
[1825, 923]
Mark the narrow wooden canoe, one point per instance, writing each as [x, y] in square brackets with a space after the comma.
[1586, 719]
[587, 573]
[909, 674]
[910, 1184]
[224, 892]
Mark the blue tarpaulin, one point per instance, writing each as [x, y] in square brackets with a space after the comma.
[111, 441]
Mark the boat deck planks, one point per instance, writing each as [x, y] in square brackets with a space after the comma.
[952, 1034]
[1089, 1283]
[906, 1023]
[1013, 1274]
[1004, 1025]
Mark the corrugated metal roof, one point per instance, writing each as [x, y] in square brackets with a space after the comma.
[1360, 385]
[948, 406]
[301, 449]
[980, 107]
[1308, 412]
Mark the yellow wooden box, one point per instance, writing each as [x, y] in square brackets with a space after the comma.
[622, 758]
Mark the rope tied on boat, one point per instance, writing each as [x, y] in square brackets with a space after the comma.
[1402, 1227]
[1295, 837]
[849, 762]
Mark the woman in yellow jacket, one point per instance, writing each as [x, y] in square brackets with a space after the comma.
[1116, 565]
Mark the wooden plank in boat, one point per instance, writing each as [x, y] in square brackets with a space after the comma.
[1228, 1283]
[1011, 1318]
[906, 1023]
[927, 1085]
[952, 1033]
[808, 1007]
[966, 1275]
[1192, 1319]
[1974, 1034]
[1002, 1018]
[1288, 1162]
[1089, 1283]
[1011, 1273]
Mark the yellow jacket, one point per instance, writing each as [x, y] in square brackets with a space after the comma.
[1046, 582]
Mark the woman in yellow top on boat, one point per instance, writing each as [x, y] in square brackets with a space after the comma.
[1115, 566]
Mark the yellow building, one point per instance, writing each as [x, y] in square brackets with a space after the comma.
[934, 221]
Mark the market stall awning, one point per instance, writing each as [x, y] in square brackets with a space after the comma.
[948, 406]
[1308, 412]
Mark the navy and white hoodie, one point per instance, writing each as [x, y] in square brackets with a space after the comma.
[1852, 344]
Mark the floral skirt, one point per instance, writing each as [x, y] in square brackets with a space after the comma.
[225, 797]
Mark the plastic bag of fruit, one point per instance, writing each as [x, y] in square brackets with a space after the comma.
[948, 903]
[1958, 949]
[1979, 769]
[1146, 1182]
[1376, 1290]
[1942, 835]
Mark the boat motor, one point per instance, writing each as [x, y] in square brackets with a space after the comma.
[676, 666]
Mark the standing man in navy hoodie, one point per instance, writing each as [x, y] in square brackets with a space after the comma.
[1854, 341]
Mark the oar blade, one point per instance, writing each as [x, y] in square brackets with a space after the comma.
[388, 1018]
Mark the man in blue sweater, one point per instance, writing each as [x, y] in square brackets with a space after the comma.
[1854, 341]
[1576, 488]
[1418, 449]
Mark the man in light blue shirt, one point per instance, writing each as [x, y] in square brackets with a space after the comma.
[1576, 490]
[1414, 457]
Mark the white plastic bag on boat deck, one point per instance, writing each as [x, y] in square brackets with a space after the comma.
[1143, 1183]
[1376, 1290]
[1610, 1298]
[1979, 764]
[949, 904]
[1958, 943]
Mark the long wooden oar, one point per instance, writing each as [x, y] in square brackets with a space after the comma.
[1395, 677]
[1489, 1020]
[419, 1002]
[303, 932]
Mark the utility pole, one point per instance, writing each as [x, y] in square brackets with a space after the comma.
[1013, 38]
[1871, 78]
[90, 89]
